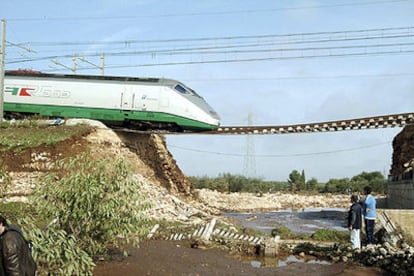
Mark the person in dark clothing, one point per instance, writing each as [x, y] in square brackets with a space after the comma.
[16, 258]
[354, 222]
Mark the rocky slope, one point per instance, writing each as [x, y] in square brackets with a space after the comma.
[403, 154]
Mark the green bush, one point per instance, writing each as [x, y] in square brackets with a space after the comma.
[282, 231]
[330, 235]
[56, 252]
[94, 205]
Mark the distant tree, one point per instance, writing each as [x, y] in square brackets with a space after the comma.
[312, 184]
[337, 185]
[219, 184]
[295, 181]
[303, 180]
[368, 176]
[235, 183]
[375, 179]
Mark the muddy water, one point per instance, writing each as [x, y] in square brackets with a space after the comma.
[178, 258]
[304, 221]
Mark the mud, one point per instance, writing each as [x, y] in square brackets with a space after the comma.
[178, 258]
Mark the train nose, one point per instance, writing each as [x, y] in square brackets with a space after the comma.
[215, 115]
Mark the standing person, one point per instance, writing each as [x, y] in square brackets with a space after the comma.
[354, 222]
[16, 258]
[369, 211]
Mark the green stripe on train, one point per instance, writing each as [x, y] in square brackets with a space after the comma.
[106, 114]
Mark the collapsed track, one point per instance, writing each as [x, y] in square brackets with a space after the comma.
[384, 121]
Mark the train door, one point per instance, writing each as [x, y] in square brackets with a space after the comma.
[127, 99]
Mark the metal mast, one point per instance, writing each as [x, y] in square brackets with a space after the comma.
[2, 66]
[249, 158]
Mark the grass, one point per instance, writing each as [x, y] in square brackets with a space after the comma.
[23, 138]
[15, 210]
[330, 235]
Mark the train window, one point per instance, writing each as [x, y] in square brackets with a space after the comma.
[181, 89]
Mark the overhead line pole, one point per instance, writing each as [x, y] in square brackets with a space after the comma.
[101, 67]
[2, 66]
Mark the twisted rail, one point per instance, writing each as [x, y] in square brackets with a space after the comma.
[384, 121]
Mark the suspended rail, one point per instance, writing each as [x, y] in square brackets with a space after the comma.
[384, 121]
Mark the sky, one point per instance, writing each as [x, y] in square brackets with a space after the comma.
[257, 62]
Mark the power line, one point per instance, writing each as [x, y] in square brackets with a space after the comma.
[255, 48]
[360, 54]
[218, 13]
[302, 36]
[283, 155]
[210, 50]
[396, 75]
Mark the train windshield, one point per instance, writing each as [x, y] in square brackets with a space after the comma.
[185, 90]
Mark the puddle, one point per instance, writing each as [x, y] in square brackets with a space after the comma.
[305, 221]
[281, 261]
[294, 259]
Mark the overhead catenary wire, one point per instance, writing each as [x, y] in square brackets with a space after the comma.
[361, 54]
[402, 31]
[284, 155]
[129, 17]
[210, 50]
[324, 41]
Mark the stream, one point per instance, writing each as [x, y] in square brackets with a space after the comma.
[304, 221]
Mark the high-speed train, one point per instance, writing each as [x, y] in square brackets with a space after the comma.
[137, 103]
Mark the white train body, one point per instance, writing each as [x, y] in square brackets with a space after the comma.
[134, 102]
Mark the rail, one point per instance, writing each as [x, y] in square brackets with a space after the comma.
[384, 121]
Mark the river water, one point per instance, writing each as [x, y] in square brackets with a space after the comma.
[305, 221]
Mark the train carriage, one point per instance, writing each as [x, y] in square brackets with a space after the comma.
[138, 103]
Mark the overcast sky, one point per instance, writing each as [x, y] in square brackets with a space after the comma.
[275, 62]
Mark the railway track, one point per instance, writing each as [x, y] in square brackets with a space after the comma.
[384, 121]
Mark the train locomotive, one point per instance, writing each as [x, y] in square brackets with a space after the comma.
[130, 102]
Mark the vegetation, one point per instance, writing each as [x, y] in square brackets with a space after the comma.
[236, 183]
[92, 206]
[20, 124]
[283, 232]
[330, 235]
[5, 179]
[295, 183]
[82, 209]
[20, 139]
[319, 235]
[376, 180]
